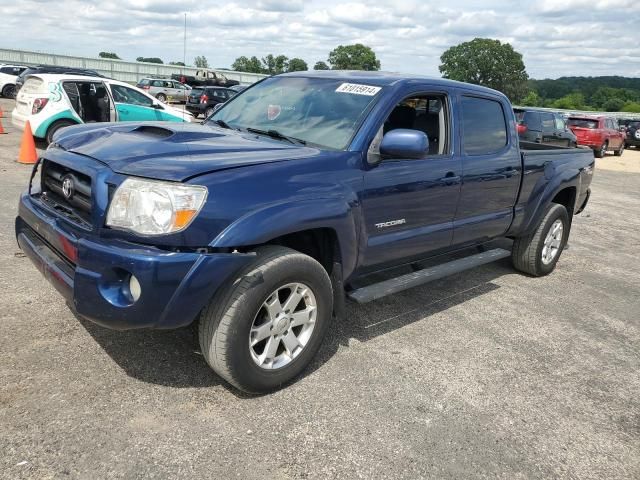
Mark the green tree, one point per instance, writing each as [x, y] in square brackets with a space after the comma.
[149, 60]
[179, 64]
[274, 65]
[297, 65]
[532, 99]
[353, 57]
[633, 107]
[201, 61]
[109, 55]
[573, 101]
[613, 105]
[321, 66]
[488, 62]
[250, 65]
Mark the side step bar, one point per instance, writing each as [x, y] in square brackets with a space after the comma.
[410, 280]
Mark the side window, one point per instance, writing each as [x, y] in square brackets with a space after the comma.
[484, 126]
[424, 112]
[548, 122]
[122, 94]
[156, 83]
[560, 125]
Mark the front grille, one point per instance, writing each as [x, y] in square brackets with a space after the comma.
[67, 191]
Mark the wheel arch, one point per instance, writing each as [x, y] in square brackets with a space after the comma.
[324, 229]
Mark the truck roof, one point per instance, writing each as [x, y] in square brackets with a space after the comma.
[383, 79]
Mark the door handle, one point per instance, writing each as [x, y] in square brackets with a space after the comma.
[451, 178]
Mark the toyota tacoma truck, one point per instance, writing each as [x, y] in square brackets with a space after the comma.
[260, 223]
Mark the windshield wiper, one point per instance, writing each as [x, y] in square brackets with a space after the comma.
[277, 135]
[223, 124]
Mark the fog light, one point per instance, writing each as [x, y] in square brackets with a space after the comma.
[134, 288]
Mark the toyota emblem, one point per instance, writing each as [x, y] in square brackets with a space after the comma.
[68, 187]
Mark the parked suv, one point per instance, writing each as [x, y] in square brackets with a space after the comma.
[165, 89]
[54, 69]
[203, 100]
[632, 131]
[598, 132]
[543, 127]
[8, 76]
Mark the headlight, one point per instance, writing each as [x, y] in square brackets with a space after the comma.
[151, 207]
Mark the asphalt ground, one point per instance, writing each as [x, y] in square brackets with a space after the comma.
[488, 373]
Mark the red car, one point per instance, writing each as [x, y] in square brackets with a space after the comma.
[598, 132]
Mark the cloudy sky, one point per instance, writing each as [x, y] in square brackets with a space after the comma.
[556, 37]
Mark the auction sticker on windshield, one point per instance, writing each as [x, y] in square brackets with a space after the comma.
[358, 89]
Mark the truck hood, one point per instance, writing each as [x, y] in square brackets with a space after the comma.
[173, 151]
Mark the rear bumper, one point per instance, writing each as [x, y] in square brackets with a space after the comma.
[196, 108]
[93, 275]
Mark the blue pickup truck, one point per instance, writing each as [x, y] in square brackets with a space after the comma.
[259, 223]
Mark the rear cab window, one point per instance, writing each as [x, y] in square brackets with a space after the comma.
[484, 126]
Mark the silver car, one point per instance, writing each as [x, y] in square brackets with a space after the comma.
[165, 90]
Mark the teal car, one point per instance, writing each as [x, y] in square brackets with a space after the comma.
[51, 102]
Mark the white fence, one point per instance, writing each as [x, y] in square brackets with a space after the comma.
[116, 69]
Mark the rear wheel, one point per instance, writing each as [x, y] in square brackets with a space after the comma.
[208, 112]
[599, 153]
[263, 329]
[60, 124]
[162, 97]
[537, 254]
[9, 91]
[618, 152]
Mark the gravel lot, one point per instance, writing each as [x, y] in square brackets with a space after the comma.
[486, 374]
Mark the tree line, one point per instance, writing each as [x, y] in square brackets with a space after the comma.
[481, 61]
[343, 57]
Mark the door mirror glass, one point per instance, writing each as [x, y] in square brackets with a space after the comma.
[404, 143]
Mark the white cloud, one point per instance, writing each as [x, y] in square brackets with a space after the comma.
[568, 37]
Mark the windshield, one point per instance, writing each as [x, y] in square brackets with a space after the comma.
[322, 112]
[582, 122]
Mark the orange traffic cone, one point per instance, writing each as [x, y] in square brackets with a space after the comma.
[28, 152]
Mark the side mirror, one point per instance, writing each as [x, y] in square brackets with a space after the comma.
[404, 143]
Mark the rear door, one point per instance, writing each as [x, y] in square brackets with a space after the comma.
[491, 169]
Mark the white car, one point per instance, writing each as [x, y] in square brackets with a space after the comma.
[8, 76]
[53, 101]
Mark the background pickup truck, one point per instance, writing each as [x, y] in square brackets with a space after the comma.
[260, 222]
[205, 78]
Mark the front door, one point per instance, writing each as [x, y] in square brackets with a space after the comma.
[134, 106]
[491, 170]
[409, 204]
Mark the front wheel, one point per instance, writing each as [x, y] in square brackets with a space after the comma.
[263, 329]
[537, 254]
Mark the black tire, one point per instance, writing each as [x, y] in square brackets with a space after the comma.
[601, 151]
[55, 126]
[208, 112]
[526, 253]
[162, 97]
[226, 322]
[9, 91]
[618, 153]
